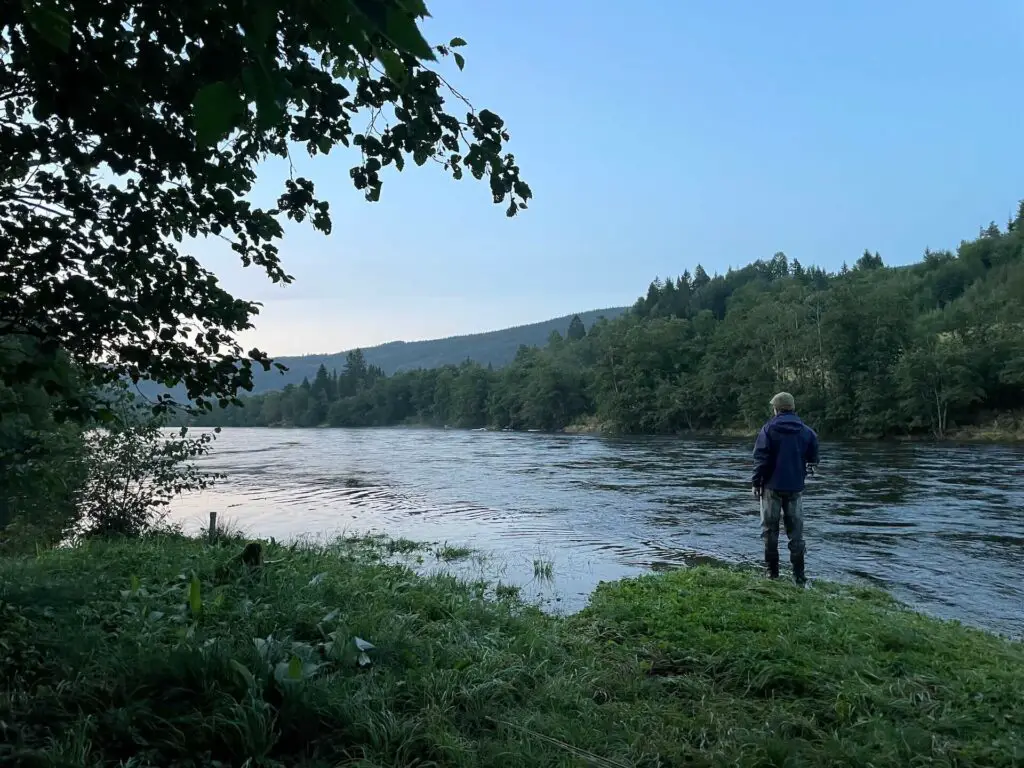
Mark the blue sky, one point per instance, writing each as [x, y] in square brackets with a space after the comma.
[656, 135]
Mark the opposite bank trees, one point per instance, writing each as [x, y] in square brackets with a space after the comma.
[127, 128]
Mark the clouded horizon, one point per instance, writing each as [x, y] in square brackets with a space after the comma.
[658, 135]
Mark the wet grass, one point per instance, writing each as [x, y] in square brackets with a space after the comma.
[544, 569]
[174, 652]
[450, 553]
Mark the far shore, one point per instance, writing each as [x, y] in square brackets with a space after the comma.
[1011, 432]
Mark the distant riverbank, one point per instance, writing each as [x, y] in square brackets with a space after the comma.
[1006, 428]
[170, 649]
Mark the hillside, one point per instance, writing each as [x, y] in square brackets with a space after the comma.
[932, 348]
[495, 348]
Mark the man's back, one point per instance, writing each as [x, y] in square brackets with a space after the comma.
[784, 448]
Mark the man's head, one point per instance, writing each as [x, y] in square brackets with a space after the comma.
[783, 403]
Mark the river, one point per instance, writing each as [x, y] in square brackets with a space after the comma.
[939, 526]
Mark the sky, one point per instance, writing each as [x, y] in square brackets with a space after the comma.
[656, 135]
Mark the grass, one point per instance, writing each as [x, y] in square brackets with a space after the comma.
[1003, 428]
[450, 553]
[543, 569]
[170, 651]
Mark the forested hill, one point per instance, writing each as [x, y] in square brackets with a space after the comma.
[867, 351]
[493, 348]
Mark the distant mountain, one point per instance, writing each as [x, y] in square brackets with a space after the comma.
[495, 348]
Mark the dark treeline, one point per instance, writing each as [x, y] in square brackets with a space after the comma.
[868, 351]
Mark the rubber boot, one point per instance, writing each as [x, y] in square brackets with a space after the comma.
[771, 560]
[798, 569]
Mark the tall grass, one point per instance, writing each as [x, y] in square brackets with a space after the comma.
[172, 651]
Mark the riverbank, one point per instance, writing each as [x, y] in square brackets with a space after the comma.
[1004, 428]
[596, 427]
[171, 651]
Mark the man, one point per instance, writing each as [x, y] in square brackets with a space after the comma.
[784, 450]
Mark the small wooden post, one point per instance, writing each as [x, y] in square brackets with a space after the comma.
[212, 532]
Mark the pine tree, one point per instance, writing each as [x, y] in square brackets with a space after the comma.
[321, 382]
[700, 278]
[355, 365]
[779, 266]
[869, 261]
[576, 330]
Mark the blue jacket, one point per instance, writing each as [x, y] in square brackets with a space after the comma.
[784, 448]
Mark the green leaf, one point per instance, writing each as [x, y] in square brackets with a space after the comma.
[52, 24]
[295, 668]
[401, 29]
[456, 42]
[460, 60]
[135, 583]
[215, 112]
[195, 597]
[418, 8]
[261, 24]
[243, 670]
[265, 85]
[394, 67]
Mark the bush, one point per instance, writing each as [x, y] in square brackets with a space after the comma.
[62, 478]
[135, 469]
[41, 458]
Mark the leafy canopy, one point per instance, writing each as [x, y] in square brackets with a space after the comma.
[127, 127]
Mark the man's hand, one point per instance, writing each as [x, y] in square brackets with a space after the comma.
[758, 491]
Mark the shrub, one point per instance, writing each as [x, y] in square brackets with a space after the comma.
[135, 469]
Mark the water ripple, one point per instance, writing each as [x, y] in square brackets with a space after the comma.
[942, 526]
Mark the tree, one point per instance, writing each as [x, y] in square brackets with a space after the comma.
[134, 471]
[355, 372]
[934, 377]
[322, 384]
[872, 353]
[779, 266]
[700, 278]
[867, 261]
[128, 128]
[41, 459]
[577, 331]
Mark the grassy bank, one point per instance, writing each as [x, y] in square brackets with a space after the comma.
[1003, 428]
[1008, 428]
[594, 426]
[172, 652]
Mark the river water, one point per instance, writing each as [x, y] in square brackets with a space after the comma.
[939, 526]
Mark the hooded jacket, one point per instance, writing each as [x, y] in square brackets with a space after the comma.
[784, 448]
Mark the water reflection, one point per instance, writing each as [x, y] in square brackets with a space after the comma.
[941, 526]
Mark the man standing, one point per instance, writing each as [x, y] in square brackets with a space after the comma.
[784, 450]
